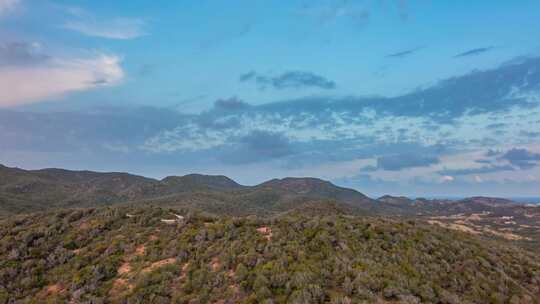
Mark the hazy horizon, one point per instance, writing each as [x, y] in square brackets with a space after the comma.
[396, 97]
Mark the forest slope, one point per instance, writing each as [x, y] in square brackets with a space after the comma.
[154, 255]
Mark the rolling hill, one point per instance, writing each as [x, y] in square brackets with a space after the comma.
[24, 191]
[27, 191]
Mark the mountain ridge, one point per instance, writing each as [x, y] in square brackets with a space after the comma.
[28, 191]
[89, 237]
[35, 190]
[65, 188]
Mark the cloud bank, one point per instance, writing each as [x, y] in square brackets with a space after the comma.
[522, 158]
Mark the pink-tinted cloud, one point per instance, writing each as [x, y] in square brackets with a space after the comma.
[24, 84]
[7, 6]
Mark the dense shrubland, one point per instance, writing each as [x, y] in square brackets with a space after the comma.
[129, 255]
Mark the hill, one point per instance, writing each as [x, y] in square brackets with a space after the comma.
[493, 217]
[38, 190]
[28, 191]
[156, 255]
[24, 191]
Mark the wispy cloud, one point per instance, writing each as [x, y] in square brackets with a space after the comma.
[404, 53]
[479, 170]
[474, 52]
[289, 80]
[117, 28]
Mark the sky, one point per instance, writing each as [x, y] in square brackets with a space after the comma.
[401, 97]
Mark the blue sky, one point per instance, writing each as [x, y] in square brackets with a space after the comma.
[385, 96]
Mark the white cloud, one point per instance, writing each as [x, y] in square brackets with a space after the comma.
[447, 178]
[118, 28]
[7, 6]
[29, 84]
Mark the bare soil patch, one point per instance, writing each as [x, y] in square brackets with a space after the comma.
[215, 264]
[453, 226]
[158, 264]
[51, 290]
[266, 231]
[140, 250]
[124, 269]
[184, 271]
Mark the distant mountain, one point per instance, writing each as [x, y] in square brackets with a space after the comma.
[198, 181]
[315, 187]
[34, 190]
[26, 191]
[271, 197]
[398, 201]
[421, 206]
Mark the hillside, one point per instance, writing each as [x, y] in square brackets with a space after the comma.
[155, 255]
[28, 191]
[23, 191]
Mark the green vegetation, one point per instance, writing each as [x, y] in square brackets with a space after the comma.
[206, 239]
[130, 255]
[23, 191]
